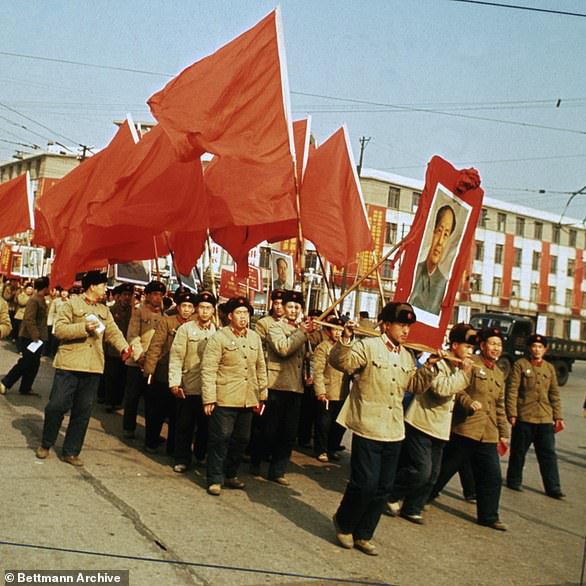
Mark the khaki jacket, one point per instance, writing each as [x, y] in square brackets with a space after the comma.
[488, 424]
[233, 371]
[21, 300]
[157, 356]
[185, 357]
[374, 407]
[141, 328]
[285, 353]
[79, 351]
[431, 412]
[532, 394]
[34, 321]
[327, 380]
[5, 324]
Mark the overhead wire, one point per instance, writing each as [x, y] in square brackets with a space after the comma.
[520, 7]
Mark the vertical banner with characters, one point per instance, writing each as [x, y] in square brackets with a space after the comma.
[437, 248]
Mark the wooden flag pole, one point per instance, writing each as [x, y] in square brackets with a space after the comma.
[213, 277]
[379, 282]
[157, 272]
[325, 277]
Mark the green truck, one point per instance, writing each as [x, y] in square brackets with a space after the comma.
[516, 328]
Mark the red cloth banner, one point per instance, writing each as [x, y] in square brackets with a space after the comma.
[230, 286]
[437, 247]
[15, 216]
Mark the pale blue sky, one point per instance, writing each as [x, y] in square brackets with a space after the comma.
[421, 54]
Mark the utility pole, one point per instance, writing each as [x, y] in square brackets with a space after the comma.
[364, 140]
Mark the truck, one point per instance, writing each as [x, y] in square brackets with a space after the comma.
[516, 329]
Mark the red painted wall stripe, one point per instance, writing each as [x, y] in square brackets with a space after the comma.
[508, 260]
[544, 272]
[578, 278]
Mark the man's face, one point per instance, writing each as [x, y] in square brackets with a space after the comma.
[99, 290]
[125, 298]
[396, 331]
[292, 310]
[537, 350]
[205, 311]
[333, 334]
[155, 298]
[239, 318]
[462, 350]
[282, 270]
[440, 238]
[64, 295]
[492, 348]
[185, 310]
[278, 309]
[28, 290]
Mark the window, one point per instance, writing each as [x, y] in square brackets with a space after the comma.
[567, 327]
[387, 270]
[483, 218]
[534, 292]
[583, 330]
[391, 233]
[501, 222]
[498, 254]
[553, 267]
[394, 197]
[264, 259]
[520, 226]
[497, 287]
[311, 261]
[552, 293]
[571, 267]
[415, 197]
[536, 260]
[518, 256]
[550, 327]
[476, 283]
[538, 232]
[569, 298]
[479, 252]
[516, 289]
[573, 236]
[555, 235]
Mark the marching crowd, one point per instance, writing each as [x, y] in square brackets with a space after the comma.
[241, 389]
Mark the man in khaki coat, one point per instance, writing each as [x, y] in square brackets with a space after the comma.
[33, 329]
[141, 328]
[479, 426]
[373, 412]
[5, 324]
[286, 350]
[234, 382]
[81, 327]
[161, 400]
[185, 382]
[534, 410]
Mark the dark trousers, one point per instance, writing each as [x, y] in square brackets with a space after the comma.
[161, 406]
[328, 433]
[541, 435]
[306, 416]
[15, 331]
[229, 433]
[134, 390]
[281, 420]
[421, 458]
[114, 380]
[190, 417]
[25, 369]
[373, 465]
[467, 480]
[75, 392]
[484, 460]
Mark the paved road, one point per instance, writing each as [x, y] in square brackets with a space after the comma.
[165, 529]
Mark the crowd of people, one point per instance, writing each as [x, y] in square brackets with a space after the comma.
[230, 388]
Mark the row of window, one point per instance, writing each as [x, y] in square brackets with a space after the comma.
[517, 257]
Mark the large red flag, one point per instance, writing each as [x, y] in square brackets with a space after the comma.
[333, 215]
[15, 216]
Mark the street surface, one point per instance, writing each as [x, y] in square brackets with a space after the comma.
[166, 530]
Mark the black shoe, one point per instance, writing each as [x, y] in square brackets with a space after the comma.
[417, 519]
[498, 525]
[556, 495]
[515, 487]
[470, 498]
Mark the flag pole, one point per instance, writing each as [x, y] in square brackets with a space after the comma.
[379, 282]
[156, 259]
[213, 277]
[325, 277]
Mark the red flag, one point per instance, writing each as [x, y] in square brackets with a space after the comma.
[333, 215]
[14, 203]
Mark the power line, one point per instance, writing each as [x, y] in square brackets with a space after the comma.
[517, 7]
[22, 144]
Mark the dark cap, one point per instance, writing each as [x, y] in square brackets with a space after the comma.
[486, 333]
[186, 297]
[93, 278]
[236, 302]
[206, 297]
[155, 287]
[277, 294]
[314, 313]
[41, 283]
[463, 334]
[293, 296]
[337, 321]
[124, 288]
[536, 339]
[398, 312]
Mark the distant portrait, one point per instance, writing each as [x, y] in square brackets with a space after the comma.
[440, 247]
[137, 272]
[281, 271]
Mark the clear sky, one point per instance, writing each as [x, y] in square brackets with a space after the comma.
[456, 59]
